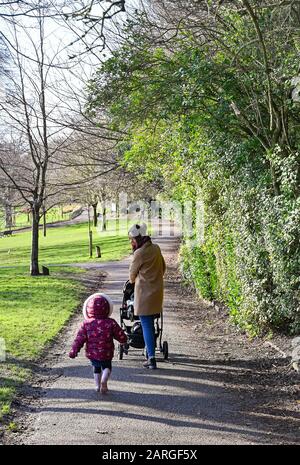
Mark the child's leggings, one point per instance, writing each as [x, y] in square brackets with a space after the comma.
[100, 365]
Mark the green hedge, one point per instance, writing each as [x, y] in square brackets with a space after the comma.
[252, 267]
[211, 268]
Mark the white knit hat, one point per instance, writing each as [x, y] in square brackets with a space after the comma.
[137, 230]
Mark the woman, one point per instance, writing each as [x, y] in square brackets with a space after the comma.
[146, 271]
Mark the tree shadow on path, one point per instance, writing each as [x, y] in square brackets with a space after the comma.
[201, 399]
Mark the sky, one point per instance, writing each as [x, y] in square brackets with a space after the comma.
[66, 77]
[61, 39]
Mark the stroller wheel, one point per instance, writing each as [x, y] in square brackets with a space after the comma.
[165, 350]
[121, 352]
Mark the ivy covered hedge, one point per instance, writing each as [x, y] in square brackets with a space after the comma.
[253, 269]
[212, 114]
[211, 269]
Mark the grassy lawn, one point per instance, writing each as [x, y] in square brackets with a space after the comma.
[33, 310]
[65, 245]
[21, 219]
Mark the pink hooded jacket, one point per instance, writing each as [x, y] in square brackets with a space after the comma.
[98, 331]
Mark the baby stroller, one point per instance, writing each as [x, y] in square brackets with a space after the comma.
[131, 324]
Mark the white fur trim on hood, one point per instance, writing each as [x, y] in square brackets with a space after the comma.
[137, 230]
[98, 294]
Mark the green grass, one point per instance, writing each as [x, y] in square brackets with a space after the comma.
[12, 377]
[21, 219]
[32, 312]
[34, 309]
[64, 245]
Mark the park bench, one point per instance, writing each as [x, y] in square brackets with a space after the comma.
[6, 233]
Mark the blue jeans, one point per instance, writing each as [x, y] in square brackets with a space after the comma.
[147, 322]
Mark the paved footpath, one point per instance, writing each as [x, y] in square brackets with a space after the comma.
[182, 402]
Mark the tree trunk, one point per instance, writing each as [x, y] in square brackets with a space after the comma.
[95, 214]
[44, 223]
[117, 218]
[34, 269]
[8, 216]
[104, 218]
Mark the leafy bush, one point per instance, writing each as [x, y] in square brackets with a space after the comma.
[211, 268]
[213, 122]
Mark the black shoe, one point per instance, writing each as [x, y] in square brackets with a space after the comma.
[151, 364]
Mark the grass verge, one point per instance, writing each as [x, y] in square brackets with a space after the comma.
[64, 245]
[34, 309]
[32, 312]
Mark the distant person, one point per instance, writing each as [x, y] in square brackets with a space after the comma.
[146, 271]
[98, 332]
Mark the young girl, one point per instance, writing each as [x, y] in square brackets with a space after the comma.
[98, 332]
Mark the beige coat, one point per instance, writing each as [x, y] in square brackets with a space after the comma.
[146, 271]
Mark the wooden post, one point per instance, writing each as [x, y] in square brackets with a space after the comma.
[91, 243]
[98, 251]
[90, 234]
[45, 271]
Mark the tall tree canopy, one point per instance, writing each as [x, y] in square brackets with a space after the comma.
[208, 94]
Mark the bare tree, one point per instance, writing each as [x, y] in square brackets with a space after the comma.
[88, 22]
[25, 113]
[7, 202]
[46, 141]
[105, 189]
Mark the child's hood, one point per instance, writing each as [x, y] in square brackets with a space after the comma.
[98, 305]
